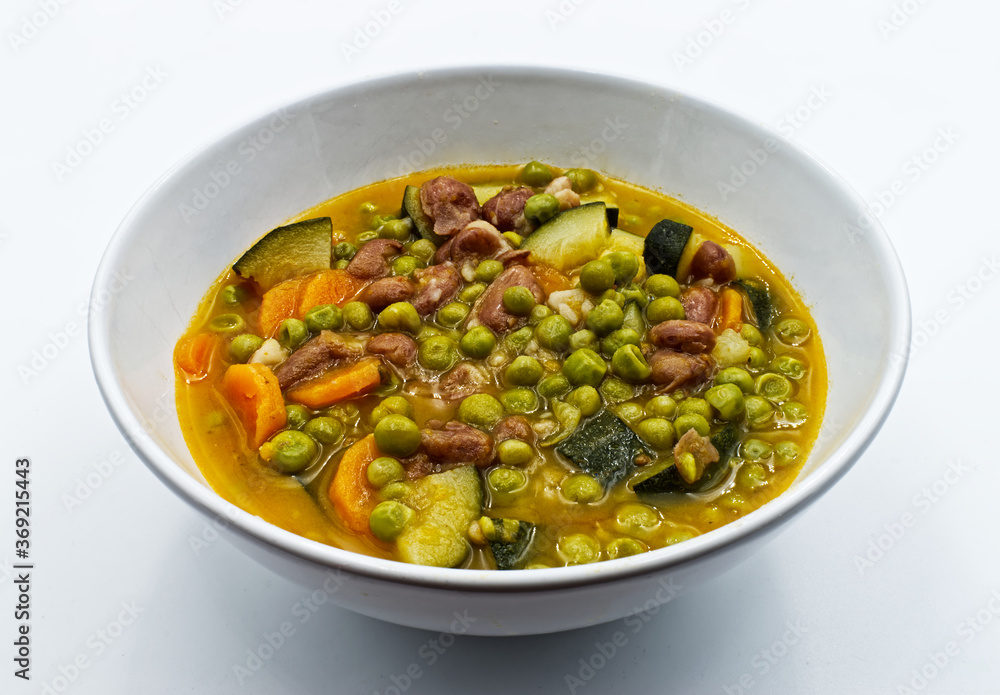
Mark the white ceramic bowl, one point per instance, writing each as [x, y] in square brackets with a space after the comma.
[212, 206]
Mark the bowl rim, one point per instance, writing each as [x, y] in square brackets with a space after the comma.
[657, 562]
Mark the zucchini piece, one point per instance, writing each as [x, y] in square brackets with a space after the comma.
[760, 299]
[446, 504]
[509, 540]
[664, 246]
[284, 252]
[571, 238]
[415, 211]
[667, 479]
[612, 215]
[605, 447]
[485, 192]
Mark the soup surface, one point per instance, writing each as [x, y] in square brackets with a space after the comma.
[516, 367]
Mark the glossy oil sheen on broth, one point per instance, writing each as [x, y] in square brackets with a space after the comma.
[753, 394]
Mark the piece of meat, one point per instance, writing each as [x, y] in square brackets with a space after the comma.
[699, 304]
[436, 286]
[514, 427]
[514, 257]
[314, 357]
[451, 204]
[464, 379]
[457, 443]
[478, 241]
[674, 369]
[372, 259]
[489, 310]
[687, 336]
[397, 348]
[386, 291]
[701, 450]
[503, 209]
[713, 261]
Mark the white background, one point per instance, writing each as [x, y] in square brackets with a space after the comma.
[907, 115]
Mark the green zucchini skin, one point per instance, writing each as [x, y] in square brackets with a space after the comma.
[669, 480]
[415, 211]
[571, 238]
[605, 447]
[664, 246]
[612, 216]
[509, 556]
[760, 299]
[294, 249]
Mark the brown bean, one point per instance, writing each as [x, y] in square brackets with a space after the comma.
[436, 286]
[314, 357]
[713, 261]
[699, 304]
[457, 442]
[489, 310]
[398, 348]
[503, 209]
[386, 291]
[372, 259]
[674, 369]
[514, 427]
[463, 380]
[687, 336]
[451, 204]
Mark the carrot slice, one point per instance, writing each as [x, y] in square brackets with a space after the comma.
[253, 392]
[551, 279]
[339, 384]
[351, 495]
[194, 355]
[730, 310]
[327, 287]
[278, 303]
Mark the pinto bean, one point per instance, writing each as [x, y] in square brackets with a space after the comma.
[674, 369]
[489, 310]
[713, 261]
[386, 291]
[457, 442]
[478, 241]
[514, 427]
[372, 259]
[503, 209]
[314, 357]
[699, 304]
[398, 348]
[687, 336]
[436, 286]
[450, 203]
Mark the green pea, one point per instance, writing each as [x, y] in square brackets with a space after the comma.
[633, 319]
[584, 367]
[605, 317]
[452, 314]
[658, 432]
[233, 295]
[794, 412]
[677, 536]
[758, 410]
[625, 547]
[554, 386]
[400, 316]
[541, 208]
[662, 406]
[397, 435]
[582, 339]
[752, 476]
[423, 250]
[514, 238]
[478, 342]
[393, 405]
[341, 264]
[581, 179]
[631, 413]
[405, 265]
[524, 371]
[536, 174]
[437, 353]
[521, 401]
[368, 208]
[579, 549]
[553, 333]
[345, 412]
[619, 339]
[292, 333]
[227, 323]
[635, 295]
[636, 519]
[539, 313]
[756, 449]
[727, 399]
[691, 421]
[384, 470]
[737, 376]
[470, 293]
[698, 406]
[488, 270]
[396, 490]
[625, 265]
[518, 300]
[629, 364]
[296, 416]
[324, 430]
[757, 359]
[357, 316]
[378, 220]
[774, 387]
[613, 295]
[662, 286]
[664, 309]
[367, 236]
[325, 317]
[792, 331]
[243, 346]
[514, 452]
[787, 452]
[586, 399]
[751, 334]
[503, 530]
[581, 488]
[480, 410]
[616, 391]
[389, 518]
[344, 251]
[789, 366]
[506, 480]
[519, 339]
[290, 451]
[399, 230]
[597, 276]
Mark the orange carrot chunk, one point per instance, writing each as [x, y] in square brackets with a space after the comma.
[327, 287]
[253, 392]
[339, 384]
[194, 355]
[730, 310]
[278, 303]
[351, 495]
